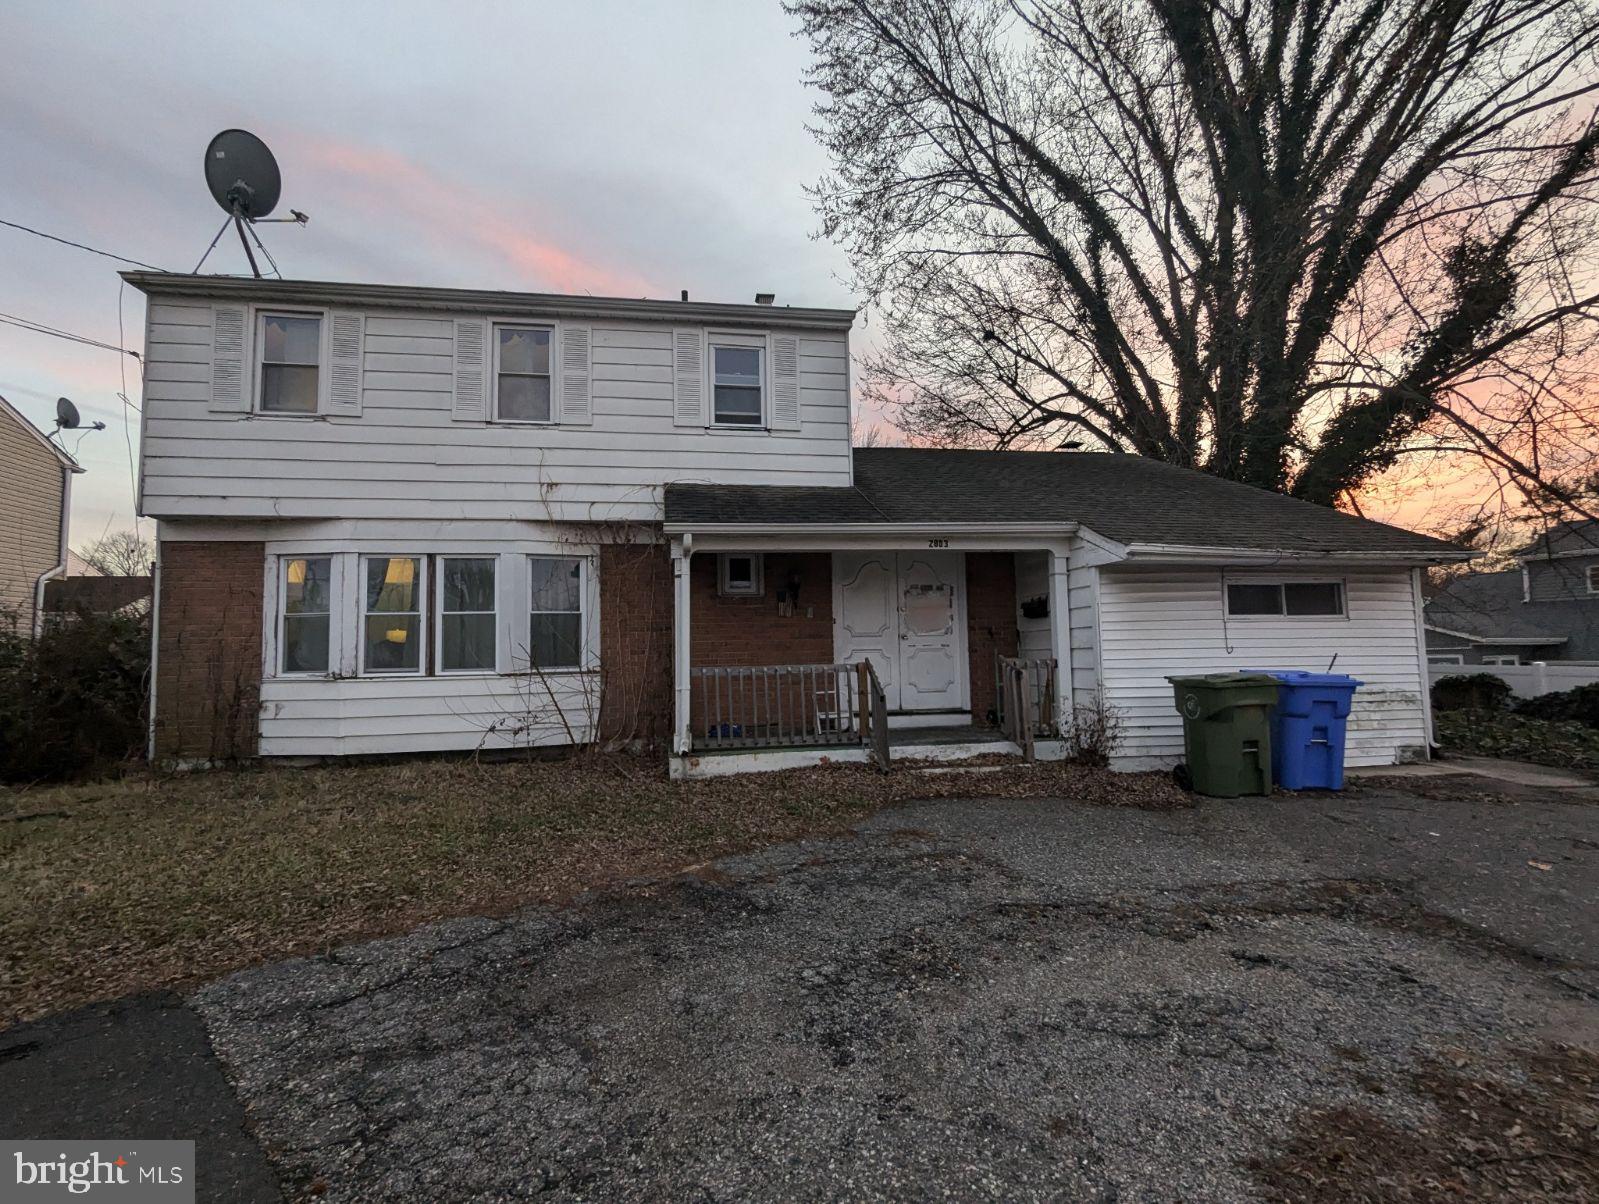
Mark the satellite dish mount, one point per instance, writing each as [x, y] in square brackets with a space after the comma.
[244, 180]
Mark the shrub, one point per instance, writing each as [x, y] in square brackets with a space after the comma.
[72, 702]
[1094, 733]
[1470, 692]
[1542, 741]
[1580, 705]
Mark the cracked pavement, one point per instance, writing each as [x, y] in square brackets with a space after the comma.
[1018, 1000]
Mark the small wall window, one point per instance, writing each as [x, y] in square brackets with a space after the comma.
[555, 628]
[290, 358]
[1593, 578]
[738, 575]
[307, 593]
[392, 627]
[467, 627]
[1294, 599]
[737, 397]
[1504, 660]
[522, 373]
[1445, 658]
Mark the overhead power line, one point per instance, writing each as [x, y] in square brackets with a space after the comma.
[54, 332]
[138, 263]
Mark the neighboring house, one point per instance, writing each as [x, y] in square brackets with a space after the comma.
[35, 506]
[1544, 609]
[397, 519]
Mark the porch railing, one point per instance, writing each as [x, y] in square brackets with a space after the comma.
[1025, 698]
[789, 706]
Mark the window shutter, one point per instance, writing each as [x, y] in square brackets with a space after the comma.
[688, 367]
[344, 367]
[228, 392]
[471, 374]
[785, 383]
[577, 401]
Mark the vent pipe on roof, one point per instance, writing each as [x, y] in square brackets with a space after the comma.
[685, 295]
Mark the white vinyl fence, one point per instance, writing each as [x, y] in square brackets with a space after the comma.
[1528, 681]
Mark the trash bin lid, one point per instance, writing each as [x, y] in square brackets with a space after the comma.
[1304, 677]
[1248, 680]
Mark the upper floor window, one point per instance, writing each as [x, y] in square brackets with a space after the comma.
[1250, 599]
[522, 373]
[736, 390]
[290, 360]
[1593, 578]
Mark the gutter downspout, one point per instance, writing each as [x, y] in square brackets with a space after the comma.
[155, 644]
[61, 567]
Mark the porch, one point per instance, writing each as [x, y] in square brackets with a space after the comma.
[797, 647]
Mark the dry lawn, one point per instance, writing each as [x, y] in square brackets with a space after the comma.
[147, 882]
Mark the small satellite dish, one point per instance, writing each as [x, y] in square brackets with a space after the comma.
[242, 174]
[66, 415]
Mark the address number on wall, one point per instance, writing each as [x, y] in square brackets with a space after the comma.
[938, 543]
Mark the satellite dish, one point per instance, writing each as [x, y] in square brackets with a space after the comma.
[242, 174]
[66, 414]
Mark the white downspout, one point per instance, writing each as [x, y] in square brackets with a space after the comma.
[61, 567]
[682, 553]
[1060, 634]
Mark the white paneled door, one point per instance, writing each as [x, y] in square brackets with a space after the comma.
[905, 612]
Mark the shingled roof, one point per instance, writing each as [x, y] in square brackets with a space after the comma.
[1128, 499]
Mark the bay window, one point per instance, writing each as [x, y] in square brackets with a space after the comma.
[467, 627]
[392, 636]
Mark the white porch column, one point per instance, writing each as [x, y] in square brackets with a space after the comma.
[1060, 631]
[682, 554]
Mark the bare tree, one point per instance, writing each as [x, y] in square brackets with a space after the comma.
[120, 554]
[1294, 243]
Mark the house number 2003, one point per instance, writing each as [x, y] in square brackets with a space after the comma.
[938, 543]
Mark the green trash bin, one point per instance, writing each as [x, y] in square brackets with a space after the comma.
[1227, 731]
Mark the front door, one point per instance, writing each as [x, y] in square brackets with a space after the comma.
[904, 612]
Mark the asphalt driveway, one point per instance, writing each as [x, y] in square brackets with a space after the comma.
[1006, 1000]
[1017, 1000]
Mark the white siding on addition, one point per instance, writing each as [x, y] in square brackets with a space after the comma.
[1160, 622]
[411, 449]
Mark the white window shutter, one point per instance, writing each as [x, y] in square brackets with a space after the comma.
[471, 370]
[344, 367]
[577, 399]
[229, 391]
[688, 369]
[785, 383]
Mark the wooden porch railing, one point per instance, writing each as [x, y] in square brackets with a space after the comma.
[1025, 698]
[790, 706]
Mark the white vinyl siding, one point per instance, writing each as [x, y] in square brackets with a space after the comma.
[1160, 622]
[414, 452]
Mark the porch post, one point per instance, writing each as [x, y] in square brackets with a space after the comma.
[682, 554]
[1060, 633]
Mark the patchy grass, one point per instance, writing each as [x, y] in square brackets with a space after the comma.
[1564, 744]
[147, 882]
[1487, 1139]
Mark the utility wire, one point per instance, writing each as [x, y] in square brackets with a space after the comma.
[138, 263]
[41, 328]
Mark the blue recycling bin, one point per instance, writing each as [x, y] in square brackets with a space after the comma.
[1307, 728]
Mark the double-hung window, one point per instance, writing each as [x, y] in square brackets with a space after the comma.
[522, 373]
[555, 628]
[391, 621]
[467, 627]
[737, 390]
[307, 592]
[1293, 599]
[1593, 578]
[290, 358]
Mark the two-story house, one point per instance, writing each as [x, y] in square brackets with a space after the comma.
[1546, 608]
[35, 511]
[396, 519]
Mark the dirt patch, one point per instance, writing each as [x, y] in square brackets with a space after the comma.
[151, 882]
[1533, 1139]
[1469, 788]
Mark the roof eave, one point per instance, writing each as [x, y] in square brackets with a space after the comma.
[505, 304]
[1159, 553]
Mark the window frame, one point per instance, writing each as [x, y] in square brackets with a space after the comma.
[1445, 658]
[1592, 576]
[584, 608]
[437, 600]
[495, 326]
[732, 341]
[1282, 615]
[280, 623]
[1502, 660]
[424, 633]
[724, 585]
[258, 316]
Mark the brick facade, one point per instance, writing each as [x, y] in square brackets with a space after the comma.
[990, 623]
[635, 643]
[208, 647]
